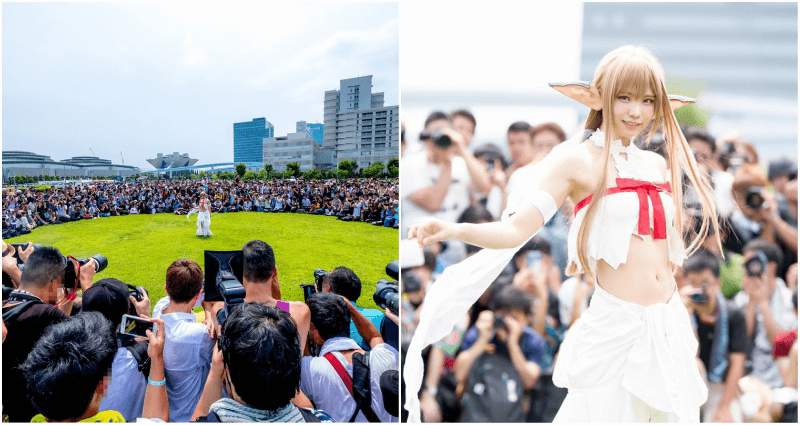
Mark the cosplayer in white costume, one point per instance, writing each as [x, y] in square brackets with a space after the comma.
[203, 211]
[631, 356]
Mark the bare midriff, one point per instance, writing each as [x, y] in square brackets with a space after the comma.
[645, 278]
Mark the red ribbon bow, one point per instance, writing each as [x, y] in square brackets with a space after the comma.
[643, 189]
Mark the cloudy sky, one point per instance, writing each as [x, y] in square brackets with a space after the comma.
[141, 78]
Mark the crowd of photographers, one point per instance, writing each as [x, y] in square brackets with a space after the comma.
[76, 349]
[370, 200]
[497, 364]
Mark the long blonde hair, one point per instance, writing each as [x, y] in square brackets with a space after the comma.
[634, 69]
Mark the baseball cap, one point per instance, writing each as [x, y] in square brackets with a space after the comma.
[108, 296]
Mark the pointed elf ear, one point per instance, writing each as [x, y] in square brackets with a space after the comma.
[581, 91]
[588, 95]
[676, 101]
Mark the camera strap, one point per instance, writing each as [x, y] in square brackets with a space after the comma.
[362, 393]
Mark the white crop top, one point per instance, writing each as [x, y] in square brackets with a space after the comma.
[619, 215]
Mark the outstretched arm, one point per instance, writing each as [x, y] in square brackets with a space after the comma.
[509, 233]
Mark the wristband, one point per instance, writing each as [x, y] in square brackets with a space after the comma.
[545, 203]
[157, 384]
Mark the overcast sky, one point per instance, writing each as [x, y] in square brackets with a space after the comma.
[143, 78]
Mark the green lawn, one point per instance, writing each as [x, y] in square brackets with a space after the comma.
[139, 248]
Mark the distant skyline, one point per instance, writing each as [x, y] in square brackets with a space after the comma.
[142, 78]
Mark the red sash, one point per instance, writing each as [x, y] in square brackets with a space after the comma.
[643, 189]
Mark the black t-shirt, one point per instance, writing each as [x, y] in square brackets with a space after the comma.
[737, 335]
[23, 332]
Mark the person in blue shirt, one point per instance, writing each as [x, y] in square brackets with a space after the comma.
[346, 283]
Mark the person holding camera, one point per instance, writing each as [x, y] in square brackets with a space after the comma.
[437, 180]
[188, 347]
[343, 281]
[38, 302]
[500, 358]
[67, 372]
[721, 332]
[767, 305]
[257, 361]
[337, 380]
[125, 393]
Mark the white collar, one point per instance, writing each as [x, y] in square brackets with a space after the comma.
[338, 344]
[599, 139]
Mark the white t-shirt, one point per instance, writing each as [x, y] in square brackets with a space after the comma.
[418, 174]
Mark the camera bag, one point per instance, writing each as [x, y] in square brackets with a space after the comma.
[138, 350]
[359, 385]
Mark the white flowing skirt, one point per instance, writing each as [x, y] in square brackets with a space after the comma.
[203, 223]
[623, 362]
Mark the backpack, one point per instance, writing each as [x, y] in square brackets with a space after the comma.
[493, 391]
[138, 350]
[308, 416]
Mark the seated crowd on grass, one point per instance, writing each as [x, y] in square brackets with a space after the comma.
[370, 200]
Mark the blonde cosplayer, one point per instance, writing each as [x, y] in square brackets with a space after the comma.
[633, 386]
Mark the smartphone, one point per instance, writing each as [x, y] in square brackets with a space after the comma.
[136, 326]
[534, 259]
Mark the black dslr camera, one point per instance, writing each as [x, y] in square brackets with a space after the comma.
[387, 294]
[439, 139]
[223, 280]
[312, 288]
[756, 265]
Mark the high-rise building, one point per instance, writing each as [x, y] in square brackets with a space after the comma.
[299, 147]
[248, 139]
[315, 130]
[358, 126]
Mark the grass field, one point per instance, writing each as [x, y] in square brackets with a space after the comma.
[139, 248]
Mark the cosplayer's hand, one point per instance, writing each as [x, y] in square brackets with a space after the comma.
[432, 230]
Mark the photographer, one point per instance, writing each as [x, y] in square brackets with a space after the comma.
[500, 359]
[346, 283]
[758, 214]
[188, 349]
[257, 360]
[437, 179]
[30, 309]
[322, 377]
[767, 305]
[721, 332]
[68, 371]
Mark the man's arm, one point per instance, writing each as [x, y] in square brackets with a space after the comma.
[212, 391]
[528, 371]
[365, 328]
[467, 357]
[735, 372]
[772, 327]
[156, 404]
[430, 198]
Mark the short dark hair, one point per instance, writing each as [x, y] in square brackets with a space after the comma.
[463, 113]
[697, 133]
[519, 127]
[511, 298]
[345, 282]
[702, 259]
[261, 348]
[259, 261]
[782, 167]
[537, 243]
[771, 250]
[434, 116]
[551, 127]
[43, 265]
[329, 314]
[475, 213]
[184, 280]
[68, 363]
